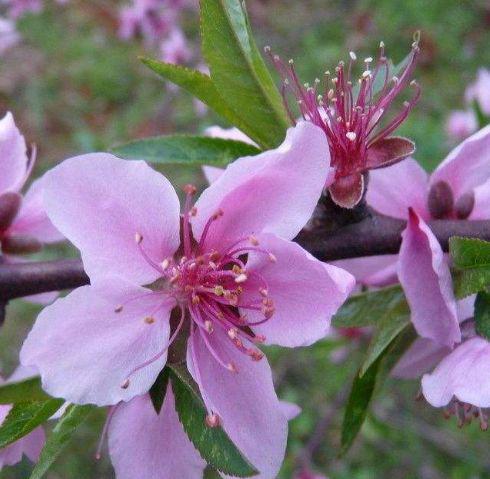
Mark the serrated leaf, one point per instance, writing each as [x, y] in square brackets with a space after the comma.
[185, 150]
[59, 437]
[213, 444]
[392, 321]
[364, 387]
[21, 391]
[159, 389]
[24, 417]
[199, 85]
[471, 259]
[239, 72]
[366, 309]
[482, 314]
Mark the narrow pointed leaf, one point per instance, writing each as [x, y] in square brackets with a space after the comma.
[482, 314]
[159, 389]
[21, 391]
[185, 150]
[61, 434]
[24, 417]
[239, 72]
[199, 85]
[213, 444]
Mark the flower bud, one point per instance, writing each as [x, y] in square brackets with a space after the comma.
[9, 207]
[441, 200]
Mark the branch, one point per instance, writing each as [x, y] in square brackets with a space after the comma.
[373, 235]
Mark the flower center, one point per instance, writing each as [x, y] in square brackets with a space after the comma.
[349, 111]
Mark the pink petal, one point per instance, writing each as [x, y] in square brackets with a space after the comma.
[212, 173]
[100, 202]
[463, 374]
[32, 219]
[228, 134]
[290, 410]
[371, 270]
[388, 151]
[481, 208]
[274, 192]
[147, 445]
[29, 445]
[13, 155]
[461, 124]
[425, 277]
[391, 191]
[468, 165]
[245, 401]
[85, 350]
[306, 292]
[419, 359]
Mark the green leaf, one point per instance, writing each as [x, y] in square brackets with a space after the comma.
[185, 150]
[159, 389]
[58, 439]
[213, 444]
[21, 391]
[199, 85]
[391, 322]
[24, 417]
[239, 72]
[364, 387]
[366, 309]
[482, 314]
[471, 259]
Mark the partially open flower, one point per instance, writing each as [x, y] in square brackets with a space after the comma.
[350, 113]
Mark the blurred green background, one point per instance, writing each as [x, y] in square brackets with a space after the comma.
[75, 87]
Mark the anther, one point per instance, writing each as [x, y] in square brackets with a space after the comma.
[241, 278]
[233, 333]
[138, 238]
[118, 309]
[217, 214]
[195, 299]
[165, 264]
[351, 135]
[219, 290]
[189, 189]
[149, 320]
[213, 420]
[368, 60]
[263, 292]
[272, 258]
[208, 326]
[353, 56]
[267, 49]
[256, 355]
[193, 211]
[125, 384]
[232, 368]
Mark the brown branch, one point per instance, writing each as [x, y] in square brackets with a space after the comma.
[372, 235]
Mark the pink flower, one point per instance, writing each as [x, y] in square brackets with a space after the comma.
[174, 48]
[235, 281]
[461, 124]
[24, 226]
[9, 36]
[349, 119]
[307, 474]
[17, 8]
[32, 443]
[479, 91]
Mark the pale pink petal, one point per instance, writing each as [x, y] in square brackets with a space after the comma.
[85, 349]
[290, 410]
[13, 155]
[463, 374]
[468, 165]
[306, 292]
[273, 192]
[461, 124]
[425, 277]
[419, 359]
[29, 445]
[481, 208]
[479, 91]
[371, 270]
[245, 401]
[32, 219]
[100, 202]
[391, 191]
[228, 134]
[212, 173]
[147, 445]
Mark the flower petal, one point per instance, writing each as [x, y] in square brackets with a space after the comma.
[32, 219]
[481, 207]
[212, 173]
[393, 190]
[274, 192]
[347, 191]
[100, 202]
[228, 134]
[388, 151]
[13, 155]
[245, 401]
[461, 374]
[148, 445]
[85, 350]
[306, 292]
[29, 445]
[419, 359]
[425, 278]
[468, 165]
[371, 270]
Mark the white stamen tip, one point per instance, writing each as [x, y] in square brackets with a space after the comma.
[351, 135]
[212, 420]
[381, 44]
[138, 238]
[368, 60]
[291, 61]
[272, 258]
[253, 240]
[165, 264]
[241, 278]
[353, 55]
[267, 49]
[366, 74]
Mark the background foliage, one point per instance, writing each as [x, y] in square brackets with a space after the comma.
[73, 86]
